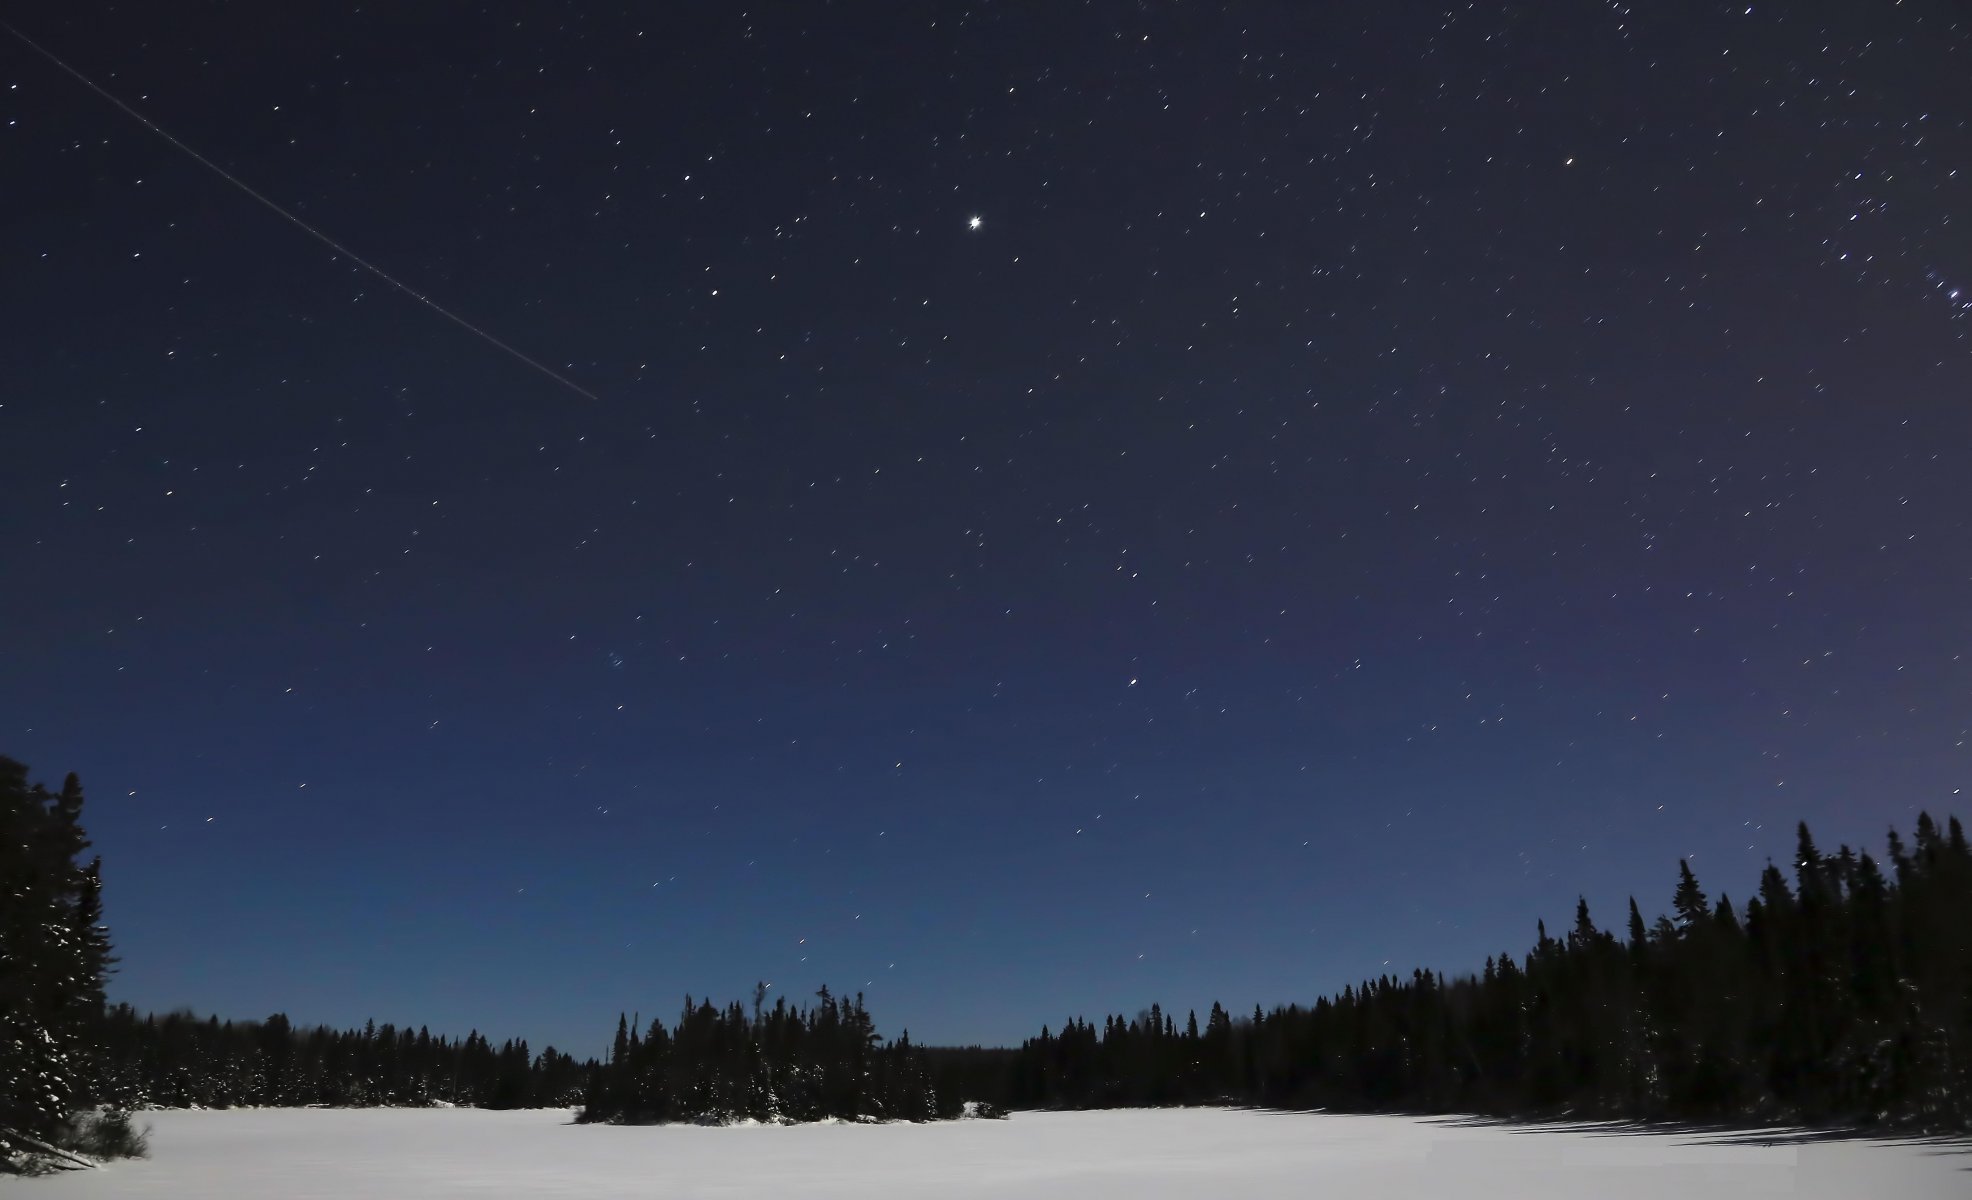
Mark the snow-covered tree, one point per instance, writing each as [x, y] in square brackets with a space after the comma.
[54, 954]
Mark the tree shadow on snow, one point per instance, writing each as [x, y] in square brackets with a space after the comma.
[1693, 1134]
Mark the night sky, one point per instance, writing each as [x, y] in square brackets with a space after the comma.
[1081, 505]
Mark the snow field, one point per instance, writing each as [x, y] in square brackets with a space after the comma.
[425, 1154]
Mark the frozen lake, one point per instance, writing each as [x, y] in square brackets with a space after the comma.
[410, 1154]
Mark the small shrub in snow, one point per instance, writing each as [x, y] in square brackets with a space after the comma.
[108, 1133]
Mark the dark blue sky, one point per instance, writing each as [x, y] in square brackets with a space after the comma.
[1372, 474]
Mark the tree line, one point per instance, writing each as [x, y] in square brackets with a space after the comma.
[182, 1061]
[784, 1063]
[64, 1053]
[1845, 999]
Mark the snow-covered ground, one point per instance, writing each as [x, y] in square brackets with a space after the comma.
[1143, 1155]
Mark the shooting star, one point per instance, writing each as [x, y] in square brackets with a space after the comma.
[297, 222]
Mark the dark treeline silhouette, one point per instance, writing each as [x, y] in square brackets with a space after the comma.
[785, 1063]
[181, 1060]
[975, 1074]
[1844, 999]
[62, 1052]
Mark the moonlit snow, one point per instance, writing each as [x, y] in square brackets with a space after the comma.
[412, 1154]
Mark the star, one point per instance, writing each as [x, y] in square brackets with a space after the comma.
[974, 222]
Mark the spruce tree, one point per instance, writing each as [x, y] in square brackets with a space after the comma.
[54, 953]
[1689, 900]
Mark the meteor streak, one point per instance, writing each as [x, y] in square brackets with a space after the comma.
[297, 222]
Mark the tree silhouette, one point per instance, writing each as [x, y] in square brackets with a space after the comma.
[54, 956]
[1846, 998]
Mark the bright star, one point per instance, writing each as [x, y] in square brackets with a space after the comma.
[973, 223]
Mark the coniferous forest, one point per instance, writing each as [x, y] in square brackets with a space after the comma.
[783, 1063]
[180, 1060]
[1841, 997]
[1844, 999]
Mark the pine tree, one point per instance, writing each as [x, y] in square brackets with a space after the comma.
[54, 954]
[1689, 900]
[1584, 934]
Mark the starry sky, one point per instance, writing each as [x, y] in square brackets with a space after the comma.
[1046, 508]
